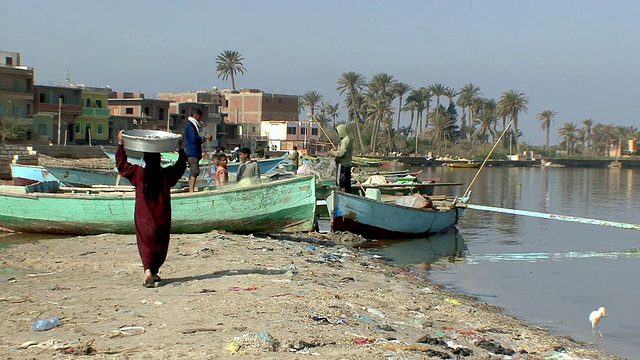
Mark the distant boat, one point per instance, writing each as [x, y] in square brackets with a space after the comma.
[465, 165]
[283, 205]
[378, 220]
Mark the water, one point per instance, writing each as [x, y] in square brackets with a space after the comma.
[548, 272]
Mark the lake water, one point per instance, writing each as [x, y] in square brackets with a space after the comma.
[551, 273]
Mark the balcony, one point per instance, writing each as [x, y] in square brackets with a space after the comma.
[88, 111]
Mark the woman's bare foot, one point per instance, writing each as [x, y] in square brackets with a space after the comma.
[148, 279]
[156, 278]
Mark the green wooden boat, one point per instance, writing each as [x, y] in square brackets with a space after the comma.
[286, 205]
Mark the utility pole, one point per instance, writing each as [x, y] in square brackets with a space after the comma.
[59, 118]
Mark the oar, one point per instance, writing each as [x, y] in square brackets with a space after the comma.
[556, 217]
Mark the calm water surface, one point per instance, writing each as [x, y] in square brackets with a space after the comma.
[548, 272]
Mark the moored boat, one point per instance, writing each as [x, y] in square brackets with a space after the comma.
[465, 165]
[377, 219]
[283, 205]
[30, 174]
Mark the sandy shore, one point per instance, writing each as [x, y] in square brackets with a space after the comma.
[244, 296]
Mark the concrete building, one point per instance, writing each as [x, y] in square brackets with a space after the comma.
[133, 111]
[56, 110]
[271, 120]
[16, 86]
[185, 103]
[16, 92]
[93, 125]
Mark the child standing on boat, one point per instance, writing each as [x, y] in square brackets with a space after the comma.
[152, 214]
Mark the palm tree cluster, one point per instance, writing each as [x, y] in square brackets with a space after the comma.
[595, 139]
[371, 110]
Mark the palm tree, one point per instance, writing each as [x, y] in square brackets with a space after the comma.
[381, 85]
[379, 112]
[437, 90]
[546, 118]
[588, 123]
[568, 131]
[332, 112]
[440, 123]
[400, 89]
[353, 83]
[310, 100]
[229, 63]
[513, 102]
[467, 94]
[450, 93]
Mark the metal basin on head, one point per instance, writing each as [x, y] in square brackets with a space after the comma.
[151, 141]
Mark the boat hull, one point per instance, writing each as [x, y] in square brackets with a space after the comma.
[285, 205]
[378, 220]
[30, 174]
[86, 177]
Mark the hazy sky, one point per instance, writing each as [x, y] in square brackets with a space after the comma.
[578, 58]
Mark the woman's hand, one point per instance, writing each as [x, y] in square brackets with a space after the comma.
[120, 138]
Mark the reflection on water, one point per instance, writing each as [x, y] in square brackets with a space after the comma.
[442, 247]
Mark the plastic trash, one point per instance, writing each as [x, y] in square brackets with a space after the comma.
[45, 324]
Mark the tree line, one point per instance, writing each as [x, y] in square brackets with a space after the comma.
[374, 108]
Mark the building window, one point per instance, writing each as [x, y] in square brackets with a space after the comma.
[314, 131]
[128, 111]
[62, 99]
[29, 83]
[291, 130]
[99, 129]
[28, 109]
[146, 110]
[42, 129]
[88, 103]
[8, 60]
[77, 128]
[161, 114]
[303, 131]
[41, 98]
[99, 103]
[253, 129]
[183, 114]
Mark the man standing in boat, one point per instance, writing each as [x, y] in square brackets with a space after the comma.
[193, 143]
[344, 157]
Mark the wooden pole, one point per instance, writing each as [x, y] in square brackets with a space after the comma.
[322, 128]
[468, 192]
[59, 119]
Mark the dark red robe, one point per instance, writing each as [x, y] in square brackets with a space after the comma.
[152, 216]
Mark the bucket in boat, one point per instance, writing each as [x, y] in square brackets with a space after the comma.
[374, 194]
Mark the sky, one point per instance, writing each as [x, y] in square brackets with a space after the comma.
[578, 58]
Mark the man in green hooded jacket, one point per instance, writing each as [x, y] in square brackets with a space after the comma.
[344, 157]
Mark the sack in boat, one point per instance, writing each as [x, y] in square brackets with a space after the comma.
[416, 201]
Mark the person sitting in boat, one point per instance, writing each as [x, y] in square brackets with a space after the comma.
[211, 175]
[248, 168]
[152, 214]
[344, 157]
[222, 174]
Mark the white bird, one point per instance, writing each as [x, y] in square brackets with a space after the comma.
[594, 319]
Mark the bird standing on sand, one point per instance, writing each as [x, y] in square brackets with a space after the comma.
[595, 318]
